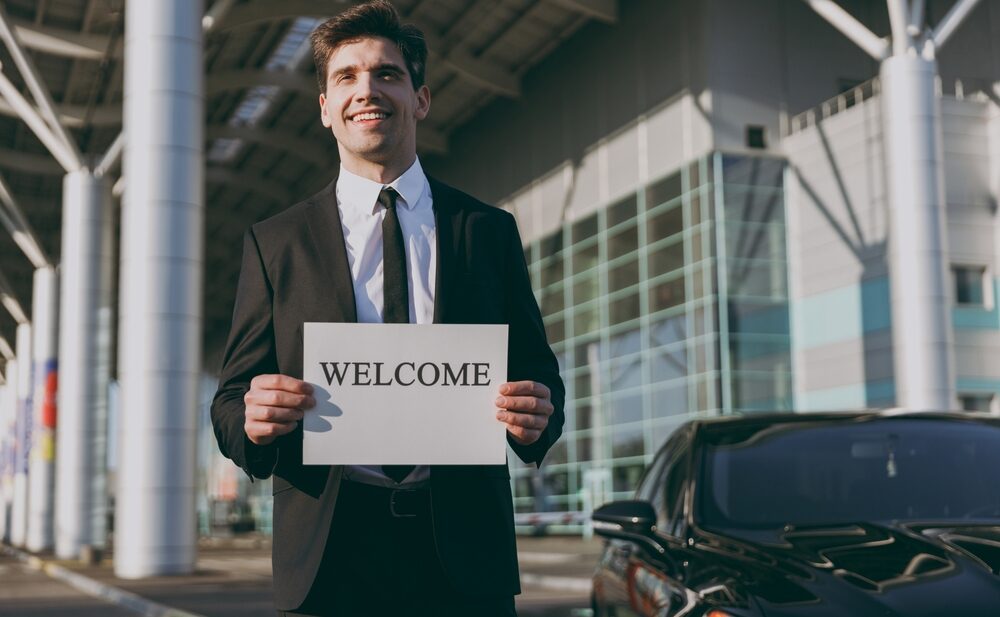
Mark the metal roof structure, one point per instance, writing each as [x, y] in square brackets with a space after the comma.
[265, 146]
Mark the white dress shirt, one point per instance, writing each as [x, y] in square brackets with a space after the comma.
[361, 219]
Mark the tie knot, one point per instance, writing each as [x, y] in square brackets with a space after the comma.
[387, 197]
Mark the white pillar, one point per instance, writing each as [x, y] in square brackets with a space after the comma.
[161, 278]
[921, 311]
[41, 464]
[7, 435]
[85, 293]
[22, 442]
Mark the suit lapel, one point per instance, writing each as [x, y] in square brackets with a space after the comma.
[330, 251]
[448, 223]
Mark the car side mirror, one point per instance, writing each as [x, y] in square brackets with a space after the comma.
[621, 519]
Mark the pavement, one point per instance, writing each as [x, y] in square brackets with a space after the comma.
[233, 578]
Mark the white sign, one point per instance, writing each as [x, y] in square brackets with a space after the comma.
[404, 394]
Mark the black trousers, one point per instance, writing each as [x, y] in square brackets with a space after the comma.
[378, 564]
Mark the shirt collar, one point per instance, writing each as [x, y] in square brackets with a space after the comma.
[358, 193]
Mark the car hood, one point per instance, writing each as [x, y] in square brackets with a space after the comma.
[863, 569]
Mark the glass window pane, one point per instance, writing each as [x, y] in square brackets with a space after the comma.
[625, 309]
[694, 209]
[664, 224]
[625, 409]
[668, 331]
[555, 331]
[623, 276]
[623, 242]
[552, 271]
[626, 477]
[624, 210]
[552, 300]
[585, 289]
[586, 320]
[669, 363]
[627, 373]
[669, 401]
[968, 284]
[663, 191]
[586, 258]
[758, 205]
[756, 171]
[666, 259]
[666, 294]
[551, 245]
[627, 441]
[585, 229]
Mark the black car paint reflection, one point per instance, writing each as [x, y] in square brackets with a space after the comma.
[810, 515]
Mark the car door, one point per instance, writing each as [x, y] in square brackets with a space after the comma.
[649, 582]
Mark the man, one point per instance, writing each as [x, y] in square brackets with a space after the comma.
[382, 242]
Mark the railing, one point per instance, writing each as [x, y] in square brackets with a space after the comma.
[845, 100]
[960, 89]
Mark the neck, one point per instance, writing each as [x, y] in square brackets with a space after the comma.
[376, 171]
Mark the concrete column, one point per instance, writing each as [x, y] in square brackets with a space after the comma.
[161, 284]
[921, 310]
[22, 441]
[7, 434]
[85, 293]
[41, 465]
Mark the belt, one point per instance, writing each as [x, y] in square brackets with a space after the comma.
[381, 501]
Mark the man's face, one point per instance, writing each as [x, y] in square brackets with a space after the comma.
[370, 104]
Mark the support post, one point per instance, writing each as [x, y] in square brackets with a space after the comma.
[22, 441]
[161, 276]
[85, 296]
[8, 433]
[918, 257]
[41, 465]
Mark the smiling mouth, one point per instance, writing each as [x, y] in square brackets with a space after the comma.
[369, 116]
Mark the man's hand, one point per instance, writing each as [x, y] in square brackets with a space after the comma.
[274, 404]
[525, 407]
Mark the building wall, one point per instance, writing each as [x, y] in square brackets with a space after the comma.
[838, 221]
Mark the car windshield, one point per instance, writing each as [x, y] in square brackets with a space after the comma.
[823, 473]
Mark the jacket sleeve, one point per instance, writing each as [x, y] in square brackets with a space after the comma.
[250, 351]
[529, 355]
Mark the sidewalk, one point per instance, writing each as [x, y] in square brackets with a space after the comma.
[233, 579]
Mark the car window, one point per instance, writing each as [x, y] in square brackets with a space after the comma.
[673, 491]
[827, 473]
[665, 469]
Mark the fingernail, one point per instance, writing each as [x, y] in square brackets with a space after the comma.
[505, 389]
[308, 389]
[310, 402]
[500, 401]
[499, 415]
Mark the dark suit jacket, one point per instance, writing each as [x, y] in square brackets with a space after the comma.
[295, 270]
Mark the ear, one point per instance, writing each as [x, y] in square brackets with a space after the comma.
[423, 102]
[324, 116]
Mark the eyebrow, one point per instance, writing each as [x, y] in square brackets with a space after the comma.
[353, 68]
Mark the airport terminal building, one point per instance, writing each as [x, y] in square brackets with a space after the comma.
[704, 190]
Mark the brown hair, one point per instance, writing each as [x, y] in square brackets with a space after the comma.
[377, 18]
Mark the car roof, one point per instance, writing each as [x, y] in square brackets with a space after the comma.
[744, 421]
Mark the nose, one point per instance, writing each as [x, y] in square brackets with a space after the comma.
[366, 88]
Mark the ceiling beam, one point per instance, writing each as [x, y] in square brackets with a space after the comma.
[235, 80]
[249, 182]
[72, 116]
[25, 162]
[63, 42]
[309, 150]
[602, 10]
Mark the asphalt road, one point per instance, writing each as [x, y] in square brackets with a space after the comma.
[237, 583]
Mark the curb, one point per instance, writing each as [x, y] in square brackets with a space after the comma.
[96, 589]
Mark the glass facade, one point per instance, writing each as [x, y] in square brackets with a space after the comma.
[667, 304]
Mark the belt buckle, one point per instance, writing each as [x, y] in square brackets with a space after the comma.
[392, 503]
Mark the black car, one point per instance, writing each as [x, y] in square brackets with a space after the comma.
[842, 515]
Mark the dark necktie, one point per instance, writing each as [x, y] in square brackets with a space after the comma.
[395, 291]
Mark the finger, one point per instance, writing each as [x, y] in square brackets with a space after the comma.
[524, 436]
[267, 430]
[526, 404]
[273, 414]
[279, 398]
[523, 420]
[525, 388]
[280, 382]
